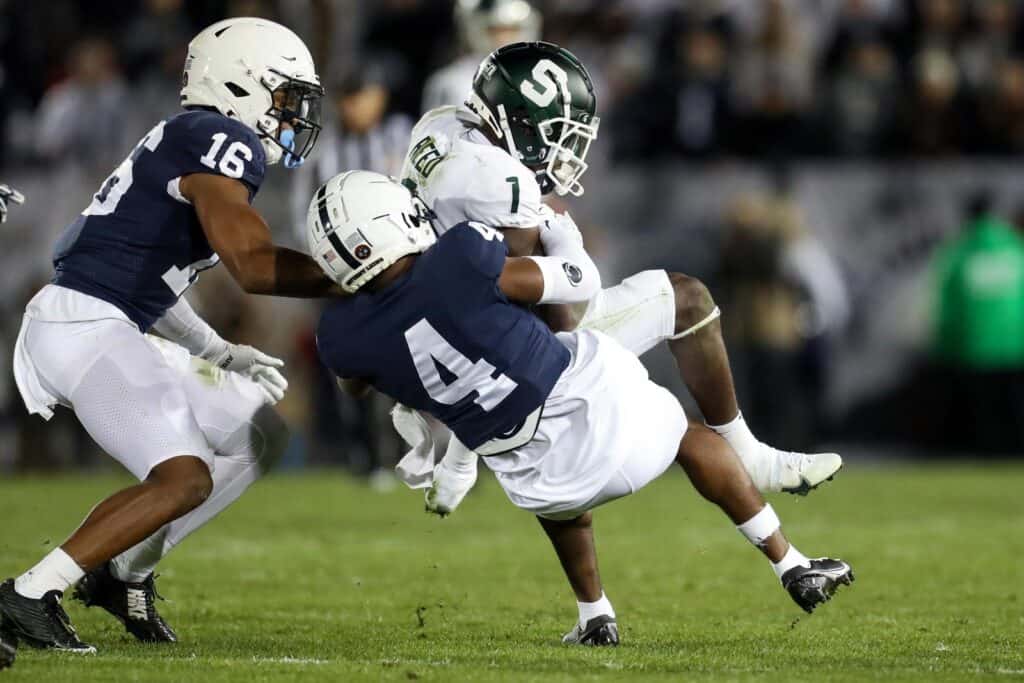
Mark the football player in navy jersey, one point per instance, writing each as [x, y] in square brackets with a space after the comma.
[567, 422]
[191, 417]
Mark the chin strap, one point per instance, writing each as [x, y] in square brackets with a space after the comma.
[287, 140]
[712, 316]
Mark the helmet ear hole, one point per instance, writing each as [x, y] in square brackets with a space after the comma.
[236, 90]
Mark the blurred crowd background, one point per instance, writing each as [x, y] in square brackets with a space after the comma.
[842, 173]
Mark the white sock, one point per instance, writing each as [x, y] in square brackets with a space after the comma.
[139, 561]
[56, 571]
[589, 610]
[754, 455]
[792, 558]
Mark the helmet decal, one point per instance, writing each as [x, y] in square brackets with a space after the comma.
[359, 223]
[543, 72]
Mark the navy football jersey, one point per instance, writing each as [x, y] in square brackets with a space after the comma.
[139, 244]
[443, 339]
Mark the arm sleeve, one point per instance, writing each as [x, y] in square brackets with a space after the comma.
[207, 142]
[181, 324]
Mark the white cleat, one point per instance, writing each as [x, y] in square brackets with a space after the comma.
[801, 473]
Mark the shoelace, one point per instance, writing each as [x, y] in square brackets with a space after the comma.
[148, 588]
[55, 609]
[150, 583]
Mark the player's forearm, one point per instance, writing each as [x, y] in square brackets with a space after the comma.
[260, 267]
[242, 239]
[558, 317]
[279, 271]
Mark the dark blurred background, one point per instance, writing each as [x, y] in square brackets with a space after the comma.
[842, 173]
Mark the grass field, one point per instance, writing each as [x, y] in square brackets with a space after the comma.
[315, 577]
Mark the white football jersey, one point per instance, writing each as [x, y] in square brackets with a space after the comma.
[463, 177]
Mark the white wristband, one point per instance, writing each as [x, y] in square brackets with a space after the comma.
[565, 281]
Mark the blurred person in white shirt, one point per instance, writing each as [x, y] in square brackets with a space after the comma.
[83, 117]
[483, 26]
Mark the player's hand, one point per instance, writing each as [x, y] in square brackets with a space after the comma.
[559, 229]
[8, 194]
[450, 487]
[270, 381]
[254, 364]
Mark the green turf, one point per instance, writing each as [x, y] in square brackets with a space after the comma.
[316, 577]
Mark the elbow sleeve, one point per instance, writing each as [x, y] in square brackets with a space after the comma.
[568, 280]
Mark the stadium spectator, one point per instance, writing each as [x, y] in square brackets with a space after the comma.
[701, 120]
[762, 327]
[935, 119]
[858, 116]
[773, 85]
[1001, 111]
[995, 38]
[82, 119]
[979, 328]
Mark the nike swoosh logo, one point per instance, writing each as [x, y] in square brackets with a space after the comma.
[290, 59]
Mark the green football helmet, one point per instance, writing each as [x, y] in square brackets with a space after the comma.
[537, 100]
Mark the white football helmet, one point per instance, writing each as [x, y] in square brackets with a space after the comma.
[260, 73]
[360, 222]
[477, 18]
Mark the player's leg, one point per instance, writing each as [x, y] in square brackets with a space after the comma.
[719, 476]
[703, 362]
[573, 541]
[258, 445]
[654, 306]
[248, 437]
[135, 408]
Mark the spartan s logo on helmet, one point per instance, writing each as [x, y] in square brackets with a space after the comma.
[260, 73]
[538, 101]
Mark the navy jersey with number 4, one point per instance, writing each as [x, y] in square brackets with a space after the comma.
[139, 244]
[443, 339]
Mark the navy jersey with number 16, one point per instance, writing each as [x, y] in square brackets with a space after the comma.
[443, 339]
[139, 244]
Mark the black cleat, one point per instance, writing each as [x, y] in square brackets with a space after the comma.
[38, 622]
[8, 648]
[600, 631]
[811, 586]
[134, 604]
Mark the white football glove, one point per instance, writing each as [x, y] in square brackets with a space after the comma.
[454, 477]
[558, 231]
[8, 194]
[254, 364]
